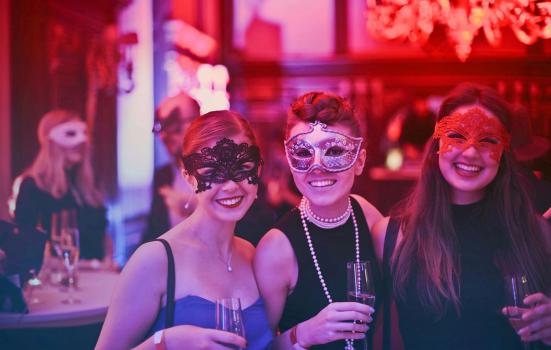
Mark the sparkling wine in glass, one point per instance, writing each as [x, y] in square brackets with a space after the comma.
[229, 316]
[70, 252]
[360, 285]
[517, 288]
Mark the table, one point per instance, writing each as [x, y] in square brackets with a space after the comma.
[94, 291]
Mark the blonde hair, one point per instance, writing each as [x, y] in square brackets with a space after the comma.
[48, 169]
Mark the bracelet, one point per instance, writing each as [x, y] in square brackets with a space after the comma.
[159, 340]
[294, 340]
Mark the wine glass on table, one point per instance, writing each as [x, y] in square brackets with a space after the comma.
[54, 257]
[70, 251]
[229, 316]
[360, 287]
[517, 287]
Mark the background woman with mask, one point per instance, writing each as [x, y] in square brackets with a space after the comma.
[60, 178]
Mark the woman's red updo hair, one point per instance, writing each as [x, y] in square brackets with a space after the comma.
[214, 126]
[325, 107]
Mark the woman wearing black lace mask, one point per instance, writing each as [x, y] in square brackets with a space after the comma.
[166, 293]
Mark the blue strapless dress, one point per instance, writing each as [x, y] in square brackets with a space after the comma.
[197, 311]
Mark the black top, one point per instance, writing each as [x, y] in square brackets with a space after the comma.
[34, 207]
[480, 324]
[334, 248]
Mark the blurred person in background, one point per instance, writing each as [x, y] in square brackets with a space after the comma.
[61, 178]
[173, 199]
[528, 149]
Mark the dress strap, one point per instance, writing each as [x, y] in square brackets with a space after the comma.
[170, 285]
[389, 245]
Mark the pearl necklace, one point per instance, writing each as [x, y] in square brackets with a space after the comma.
[303, 214]
[327, 222]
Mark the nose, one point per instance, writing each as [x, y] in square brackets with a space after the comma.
[471, 151]
[230, 186]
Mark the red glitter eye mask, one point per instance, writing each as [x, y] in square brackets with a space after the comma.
[472, 128]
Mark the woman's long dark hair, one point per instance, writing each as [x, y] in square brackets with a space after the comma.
[429, 245]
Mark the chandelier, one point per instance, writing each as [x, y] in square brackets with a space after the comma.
[463, 19]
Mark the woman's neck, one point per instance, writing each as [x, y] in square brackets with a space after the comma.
[470, 197]
[213, 233]
[332, 210]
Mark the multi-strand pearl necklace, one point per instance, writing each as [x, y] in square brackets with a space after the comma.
[304, 206]
[327, 222]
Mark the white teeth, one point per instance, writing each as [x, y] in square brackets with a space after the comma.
[466, 167]
[230, 201]
[322, 183]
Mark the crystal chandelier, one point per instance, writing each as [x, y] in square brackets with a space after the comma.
[463, 19]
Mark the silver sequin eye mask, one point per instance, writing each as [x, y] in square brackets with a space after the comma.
[322, 148]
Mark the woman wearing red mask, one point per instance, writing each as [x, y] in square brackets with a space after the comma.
[467, 225]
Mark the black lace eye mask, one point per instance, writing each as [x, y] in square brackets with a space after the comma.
[225, 161]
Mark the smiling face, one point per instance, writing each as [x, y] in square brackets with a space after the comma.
[225, 176]
[471, 142]
[324, 162]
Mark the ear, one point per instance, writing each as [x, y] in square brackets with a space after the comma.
[360, 162]
[190, 179]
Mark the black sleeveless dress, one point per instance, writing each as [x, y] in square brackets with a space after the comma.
[334, 248]
[480, 324]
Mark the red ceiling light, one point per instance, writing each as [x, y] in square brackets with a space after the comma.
[415, 20]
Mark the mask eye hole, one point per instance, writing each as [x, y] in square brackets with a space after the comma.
[206, 171]
[247, 166]
[302, 152]
[490, 140]
[70, 133]
[455, 135]
[335, 151]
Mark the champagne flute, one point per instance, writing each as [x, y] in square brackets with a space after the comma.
[55, 256]
[229, 316]
[360, 286]
[517, 288]
[70, 250]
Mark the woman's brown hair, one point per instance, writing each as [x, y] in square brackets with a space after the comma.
[214, 126]
[325, 107]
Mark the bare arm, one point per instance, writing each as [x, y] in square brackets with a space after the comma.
[275, 269]
[378, 233]
[276, 272]
[372, 214]
[136, 299]
[136, 303]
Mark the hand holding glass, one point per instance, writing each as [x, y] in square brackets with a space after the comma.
[517, 288]
[360, 284]
[229, 316]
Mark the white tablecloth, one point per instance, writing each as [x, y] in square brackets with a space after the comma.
[94, 291]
